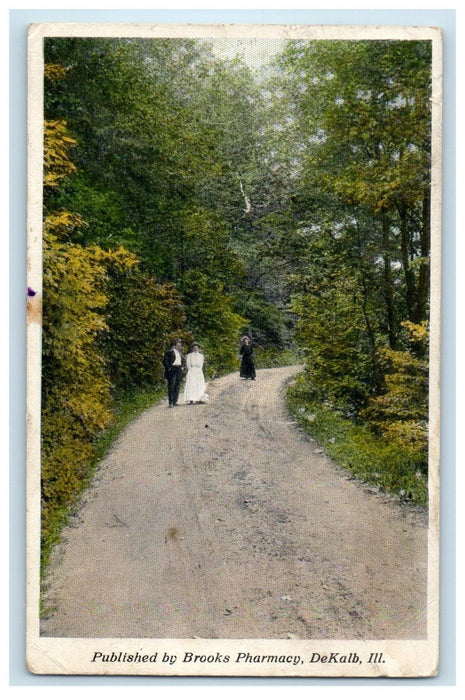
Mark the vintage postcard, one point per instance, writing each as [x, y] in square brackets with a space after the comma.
[234, 241]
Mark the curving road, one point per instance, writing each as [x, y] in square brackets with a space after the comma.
[224, 521]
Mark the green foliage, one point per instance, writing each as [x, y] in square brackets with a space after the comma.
[400, 412]
[274, 357]
[267, 323]
[212, 321]
[141, 141]
[378, 461]
[142, 315]
[57, 143]
[202, 244]
[105, 221]
[337, 308]
[331, 329]
[60, 225]
[76, 398]
[359, 221]
[369, 101]
[368, 148]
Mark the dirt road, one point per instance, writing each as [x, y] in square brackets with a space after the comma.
[224, 521]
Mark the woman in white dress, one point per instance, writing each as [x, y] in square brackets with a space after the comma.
[195, 387]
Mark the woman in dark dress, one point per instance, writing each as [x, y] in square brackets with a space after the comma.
[247, 370]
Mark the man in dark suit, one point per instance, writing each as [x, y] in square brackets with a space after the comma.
[174, 363]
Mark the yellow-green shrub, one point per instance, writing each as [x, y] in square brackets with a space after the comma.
[212, 321]
[142, 315]
[76, 398]
[400, 413]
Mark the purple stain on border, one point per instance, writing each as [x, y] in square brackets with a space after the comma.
[31, 292]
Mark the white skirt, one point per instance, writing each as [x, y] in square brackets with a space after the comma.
[195, 387]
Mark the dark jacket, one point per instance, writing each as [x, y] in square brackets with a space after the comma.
[168, 359]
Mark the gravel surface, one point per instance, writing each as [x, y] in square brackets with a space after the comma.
[223, 520]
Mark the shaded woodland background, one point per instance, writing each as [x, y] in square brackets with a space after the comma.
[189, 195]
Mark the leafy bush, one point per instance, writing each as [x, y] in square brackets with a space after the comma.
[267, 322]
[274, 357]
[57, 142]
[76, 396]
[400, 412]
[212, 321]
[331, 330]
[141, 317]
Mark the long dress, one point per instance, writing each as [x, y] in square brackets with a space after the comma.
[195, 386]
[247, 370]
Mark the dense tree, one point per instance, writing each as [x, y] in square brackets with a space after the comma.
[364, 108]
[168, 159]
[360, 115]
[182, 195]
[76, 395]
[140, 148]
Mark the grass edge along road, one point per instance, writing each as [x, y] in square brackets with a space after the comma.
[370, 458]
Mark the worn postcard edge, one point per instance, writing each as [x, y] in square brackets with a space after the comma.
[62, 656]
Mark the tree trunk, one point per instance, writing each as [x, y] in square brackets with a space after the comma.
[408, 273]
[364, 284]
[423, 275]
[388, 289]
